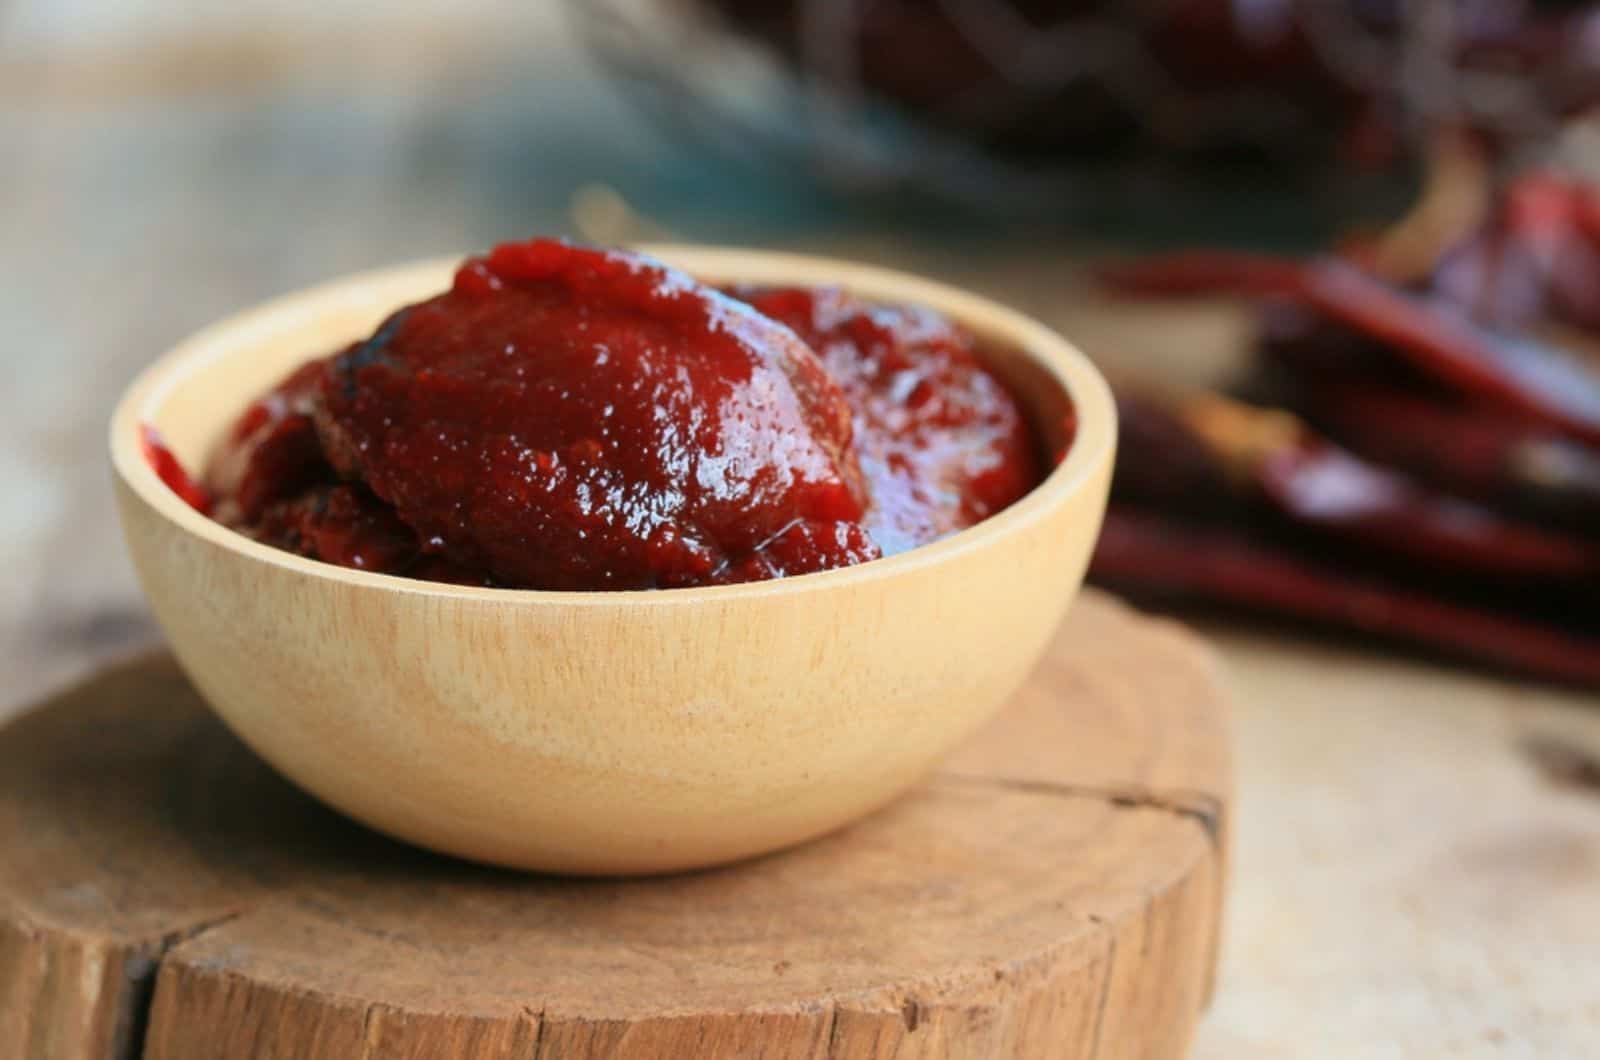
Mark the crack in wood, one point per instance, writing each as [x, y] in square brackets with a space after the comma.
[1105, 987]
[370, 1029]
[536, 1051]
[141, 981]
[833, 1038]
[1204, 809]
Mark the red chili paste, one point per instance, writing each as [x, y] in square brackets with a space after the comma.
[571, 418]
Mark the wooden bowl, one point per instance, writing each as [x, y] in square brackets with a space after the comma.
[604, 732]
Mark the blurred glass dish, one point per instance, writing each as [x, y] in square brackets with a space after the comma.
[1001, 102]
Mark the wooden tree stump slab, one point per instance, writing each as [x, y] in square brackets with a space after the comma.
[1052, 891]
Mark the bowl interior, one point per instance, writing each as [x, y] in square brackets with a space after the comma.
[194, 393]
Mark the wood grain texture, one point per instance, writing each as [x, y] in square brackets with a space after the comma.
[1053, 891]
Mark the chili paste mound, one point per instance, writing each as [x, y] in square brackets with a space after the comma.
[572, 418]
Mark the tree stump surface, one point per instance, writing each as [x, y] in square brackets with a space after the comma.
[1053, 890]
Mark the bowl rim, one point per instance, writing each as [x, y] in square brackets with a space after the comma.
[1091, 450]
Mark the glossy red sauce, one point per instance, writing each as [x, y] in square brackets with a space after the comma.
[168, 468]
[569, 418]
[942, 443]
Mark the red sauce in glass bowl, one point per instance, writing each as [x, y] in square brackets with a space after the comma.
[572, 418]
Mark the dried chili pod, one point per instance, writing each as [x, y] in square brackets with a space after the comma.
[1504, 461]
[170, 470]
[1161, 462]
[1512, 372]
[1275, 459]
[1149, 555]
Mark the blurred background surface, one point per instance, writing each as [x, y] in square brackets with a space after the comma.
[1410, 879]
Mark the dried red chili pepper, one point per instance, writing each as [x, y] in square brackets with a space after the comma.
[1500, 460]
[1147, 554]
[170, 471]
[1511, 372]
[1275, 460]
[1161, 463]
[1423, 455]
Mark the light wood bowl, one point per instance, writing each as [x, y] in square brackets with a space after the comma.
[606, 732]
